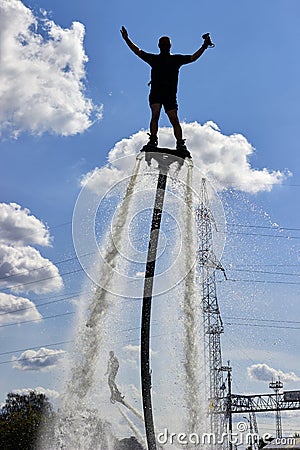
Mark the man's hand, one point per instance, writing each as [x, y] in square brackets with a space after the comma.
[207, 41]
[129, 42]
[124, 33]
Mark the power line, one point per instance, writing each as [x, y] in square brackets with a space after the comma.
[261, 326]
[81, 269]
[29, 358]
[36, 320]
[27, 271]
[43, 279]
[294, 283]
[262, 320]
[259, 235]
[134, 340]
[264, 325]
[275, 228]
[40, 305]
[60, 225]
[73, 258]
[77, 271]
[269, 265]
[120, 342]
[266, 272]
[79, 293]
[34, 348]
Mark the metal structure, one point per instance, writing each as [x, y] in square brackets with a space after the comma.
[227, 401]
[252, 404]
[276, 386]
[224, 406]
[253, 428]
[207, 265]
[262, 403]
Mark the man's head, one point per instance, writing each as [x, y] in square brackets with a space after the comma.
[164, 44]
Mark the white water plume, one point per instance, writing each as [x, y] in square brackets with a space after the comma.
[90, 336]
[192, 317]
[112, 321]
[133, 428]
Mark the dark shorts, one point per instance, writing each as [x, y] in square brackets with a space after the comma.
[167, 99]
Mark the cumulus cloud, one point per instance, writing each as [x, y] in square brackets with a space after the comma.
[22, 268]
[17, 309]
[18, 226]
[222, 159]
[42, 75]
[49, 393]
[263, 372]
[41, 360]
[135, 349]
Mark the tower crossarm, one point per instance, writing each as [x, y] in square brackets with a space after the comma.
[261, 403]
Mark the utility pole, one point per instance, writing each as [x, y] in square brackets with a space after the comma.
[253, 428]
[228, 412]
[276, 386]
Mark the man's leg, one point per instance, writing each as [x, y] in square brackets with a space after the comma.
[155, 113]
[173, 117]
[112, 389]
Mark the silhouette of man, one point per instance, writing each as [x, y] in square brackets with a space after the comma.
[112, 370]
[164, 81]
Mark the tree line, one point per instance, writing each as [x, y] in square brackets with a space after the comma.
[27, 418]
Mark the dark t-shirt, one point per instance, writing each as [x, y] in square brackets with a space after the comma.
[165, 69]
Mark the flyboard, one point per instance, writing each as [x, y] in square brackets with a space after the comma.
[164, 157]
[119, 398]
[157, 153]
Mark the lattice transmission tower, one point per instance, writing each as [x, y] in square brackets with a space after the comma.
[207, 264]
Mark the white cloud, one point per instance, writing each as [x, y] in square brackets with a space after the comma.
[17, 309]
[41, 75]
[42, 360]
[133, 354]
[263, 372]
[18, 226]
[23, 269]
[135, 349]
[49, 393]
[140, 274]
[222, 159]
[21, 265]
[225, 159]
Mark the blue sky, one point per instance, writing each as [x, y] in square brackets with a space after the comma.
[248, 85]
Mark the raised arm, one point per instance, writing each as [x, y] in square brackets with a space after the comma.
[207, 43]
[128, 41]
